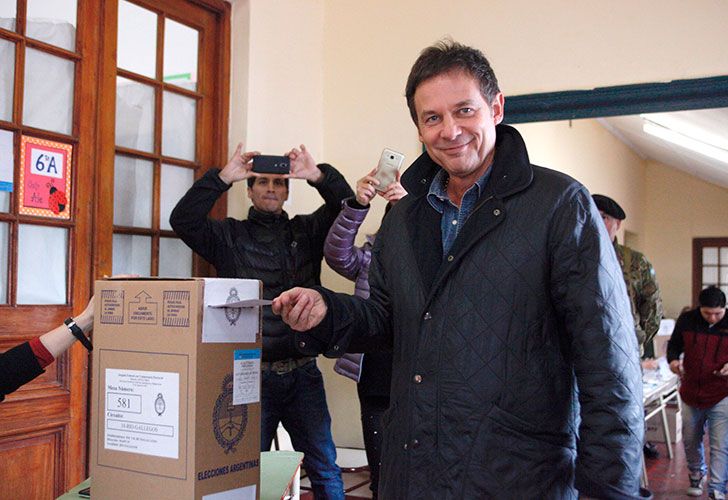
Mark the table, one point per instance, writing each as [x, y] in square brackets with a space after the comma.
[280, 473]
[658, 388]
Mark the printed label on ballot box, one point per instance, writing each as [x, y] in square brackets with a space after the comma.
[142, 412]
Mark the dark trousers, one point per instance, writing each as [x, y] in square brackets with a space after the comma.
[297, 399]
[372, 409]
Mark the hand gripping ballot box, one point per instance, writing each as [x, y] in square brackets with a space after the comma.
[175, 406]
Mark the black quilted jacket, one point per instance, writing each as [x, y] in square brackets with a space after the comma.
[279, 251]
[490, 342]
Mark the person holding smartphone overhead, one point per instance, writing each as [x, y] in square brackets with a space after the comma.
[373, 371]
[282, 252]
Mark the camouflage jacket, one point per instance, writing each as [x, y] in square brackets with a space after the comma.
[643, 290]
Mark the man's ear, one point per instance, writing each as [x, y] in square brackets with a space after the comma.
[498, 108]
[250, 192]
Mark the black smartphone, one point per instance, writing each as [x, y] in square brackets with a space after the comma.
[270, 164]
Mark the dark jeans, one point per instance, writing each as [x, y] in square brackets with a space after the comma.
[372, 409]
[297, 399]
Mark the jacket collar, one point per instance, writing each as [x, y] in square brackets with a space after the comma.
[265, 217]
[511, 169]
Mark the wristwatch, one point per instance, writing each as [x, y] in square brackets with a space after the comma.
[78, 333]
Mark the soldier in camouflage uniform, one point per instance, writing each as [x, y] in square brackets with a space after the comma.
[639, 275]
[642, 287]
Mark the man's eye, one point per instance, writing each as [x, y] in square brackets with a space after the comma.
[466, 111]
[431, 119]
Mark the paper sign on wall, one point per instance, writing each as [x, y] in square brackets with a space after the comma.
[45, 178]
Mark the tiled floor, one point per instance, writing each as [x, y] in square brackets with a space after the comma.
[351, 480]
[669, 478]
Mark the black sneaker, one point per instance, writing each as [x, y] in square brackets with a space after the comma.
[651, 450]
[697, 481]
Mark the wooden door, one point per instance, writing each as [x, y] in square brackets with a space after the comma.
[48, 54]
[59, 88]
[165, 74]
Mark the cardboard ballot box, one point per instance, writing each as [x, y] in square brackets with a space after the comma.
[175, 407]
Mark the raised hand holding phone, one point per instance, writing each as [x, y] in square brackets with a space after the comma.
[366, 188]
[239, 167]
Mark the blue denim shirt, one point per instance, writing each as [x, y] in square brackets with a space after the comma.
[452, 217]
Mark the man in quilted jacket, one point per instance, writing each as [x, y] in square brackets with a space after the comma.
[497, 288]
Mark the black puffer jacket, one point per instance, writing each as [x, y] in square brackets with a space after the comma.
[490, 342]
[279, 251]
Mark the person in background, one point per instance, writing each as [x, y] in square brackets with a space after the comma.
[701, 337]
[639, 275]
[26, 361]
[281, 252]
[496, 287]
[373, 372]
[642, 288]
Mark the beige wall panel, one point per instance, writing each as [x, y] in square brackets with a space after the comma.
[680, 207]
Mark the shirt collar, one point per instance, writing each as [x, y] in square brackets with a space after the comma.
[438, 187]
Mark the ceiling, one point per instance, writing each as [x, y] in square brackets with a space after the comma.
[710, 124]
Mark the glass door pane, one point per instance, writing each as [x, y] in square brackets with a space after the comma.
[7, 79]
[8, 15]
[4, 245]
[132, 254]
[134, 115]
[179, 115]
[42, 264]
[175, 183]
[133, 188]
[137, 39]
[53, 22]
[7, 162]
[175, 258]
[48, 97]
[180, 54]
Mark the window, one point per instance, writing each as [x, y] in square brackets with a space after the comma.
[710, 264]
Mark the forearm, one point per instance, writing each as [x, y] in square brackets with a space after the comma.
[189, 219]
[341, 254]
[333, 188]
[58, 340]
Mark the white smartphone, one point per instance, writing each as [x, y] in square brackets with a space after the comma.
[389, 164]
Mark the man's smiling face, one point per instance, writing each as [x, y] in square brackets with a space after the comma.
[456, 123]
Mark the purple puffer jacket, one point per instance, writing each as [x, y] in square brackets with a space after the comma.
[342, 255]
[351, 262]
